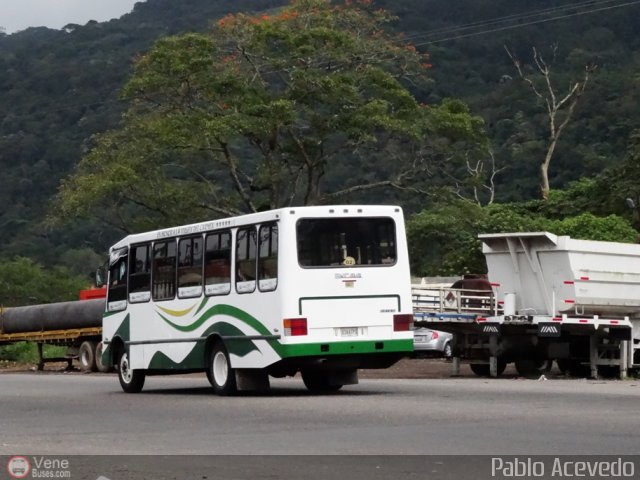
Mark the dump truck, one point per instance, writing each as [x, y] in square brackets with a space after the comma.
[548, 298]
[76, 325]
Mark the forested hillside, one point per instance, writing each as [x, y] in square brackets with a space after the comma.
[61, 88]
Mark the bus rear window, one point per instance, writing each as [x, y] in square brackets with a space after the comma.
[339, 242]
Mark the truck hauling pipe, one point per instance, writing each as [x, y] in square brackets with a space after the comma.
[76, 324]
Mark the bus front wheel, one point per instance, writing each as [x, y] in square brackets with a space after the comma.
[131, 380]
[221, 376]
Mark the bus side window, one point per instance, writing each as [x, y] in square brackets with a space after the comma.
[217, 263]
[190, 267]
[140, 274]
[164, 270]
[117, 295]
[268, 258]
[246, 260]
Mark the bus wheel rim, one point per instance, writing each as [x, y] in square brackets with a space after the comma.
[220, 368]
[125, 371]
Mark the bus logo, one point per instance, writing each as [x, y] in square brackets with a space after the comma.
[18, 467]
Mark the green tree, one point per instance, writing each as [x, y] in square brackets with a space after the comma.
[24, 282]
[443, 239]
[618, 187]
[259, 113]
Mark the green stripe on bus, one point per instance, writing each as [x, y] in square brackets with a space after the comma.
[195, 359]
[341, 348]
[220, 309]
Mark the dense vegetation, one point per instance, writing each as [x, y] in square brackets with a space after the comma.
[61, 89]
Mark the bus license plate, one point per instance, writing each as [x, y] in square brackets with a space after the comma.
[349, 332]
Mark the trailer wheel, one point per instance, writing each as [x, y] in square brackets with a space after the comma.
[131, 380]
[317, 381]
[608, 371]
[483, 370]
[87, 356]
[574, 368]
[99, 365]
[563, 365]
[220, 374]
[528, 367]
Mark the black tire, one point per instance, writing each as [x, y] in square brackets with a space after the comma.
[87, 356]
[219, 372]
[99, 365]
[563, 365]
[574, 368]
[483, 370]
[480, 369]
[317, 381]
[447, 351]
[608, 371]
[530, 367]
[131, 381]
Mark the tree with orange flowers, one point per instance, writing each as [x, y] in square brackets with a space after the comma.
[304, 105]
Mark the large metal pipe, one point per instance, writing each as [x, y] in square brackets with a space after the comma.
[52, 316]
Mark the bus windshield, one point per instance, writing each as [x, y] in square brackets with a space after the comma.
[340, 242]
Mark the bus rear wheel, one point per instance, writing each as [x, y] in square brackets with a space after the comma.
[220, 374]
[131, 380]
[318, 381]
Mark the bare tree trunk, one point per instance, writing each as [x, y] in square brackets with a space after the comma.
[555, 106]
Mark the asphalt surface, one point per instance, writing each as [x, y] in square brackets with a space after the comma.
[70, 414]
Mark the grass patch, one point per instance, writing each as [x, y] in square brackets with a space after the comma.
[27, 352]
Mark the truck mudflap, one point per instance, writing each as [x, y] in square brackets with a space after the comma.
[549, 330]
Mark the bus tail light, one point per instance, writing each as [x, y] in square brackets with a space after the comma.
[294, 327]
[402, 322]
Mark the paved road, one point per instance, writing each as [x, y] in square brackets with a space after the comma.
[88, 414]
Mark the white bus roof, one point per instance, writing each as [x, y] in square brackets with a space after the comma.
[259, 217]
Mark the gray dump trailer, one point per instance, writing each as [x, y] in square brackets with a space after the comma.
[552, 298]
[77, 325]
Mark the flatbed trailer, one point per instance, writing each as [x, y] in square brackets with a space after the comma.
[68, 338]
[552, 298]
[40, 324]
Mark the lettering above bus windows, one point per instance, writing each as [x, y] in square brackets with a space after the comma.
[346, 242]
[191, 229]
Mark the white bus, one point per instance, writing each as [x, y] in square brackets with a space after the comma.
[322, 291]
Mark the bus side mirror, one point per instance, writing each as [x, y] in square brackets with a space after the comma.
[100, 277]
